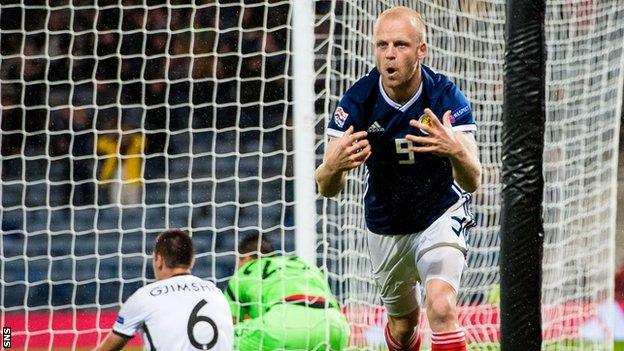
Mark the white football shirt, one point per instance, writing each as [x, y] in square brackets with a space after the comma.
[182, 313]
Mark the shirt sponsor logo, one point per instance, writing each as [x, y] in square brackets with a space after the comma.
[340, 116]
[120, 319]
[462, 111]
[375, 128]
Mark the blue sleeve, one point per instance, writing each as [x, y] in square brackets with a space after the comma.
[461, 113]
[346, 114]
[351, 110]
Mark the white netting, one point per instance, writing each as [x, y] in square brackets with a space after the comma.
[123, 118]
[584, 84]
[584, 91]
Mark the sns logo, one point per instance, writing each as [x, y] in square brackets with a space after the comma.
[340, 116]
[6, 337]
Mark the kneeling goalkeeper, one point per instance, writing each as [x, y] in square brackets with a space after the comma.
[282, 302]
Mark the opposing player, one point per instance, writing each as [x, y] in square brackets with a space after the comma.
[413, 129]
[282, 303]
[177, 312]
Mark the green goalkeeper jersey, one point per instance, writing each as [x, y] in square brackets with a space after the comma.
[264, 282]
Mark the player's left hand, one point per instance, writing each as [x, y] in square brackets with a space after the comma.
[441, 140]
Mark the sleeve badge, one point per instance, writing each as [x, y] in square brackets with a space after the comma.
[340, 116]
[459, 112]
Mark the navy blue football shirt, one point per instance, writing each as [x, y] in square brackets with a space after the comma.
[405, 191]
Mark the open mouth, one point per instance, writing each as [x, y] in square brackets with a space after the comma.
[391, 71]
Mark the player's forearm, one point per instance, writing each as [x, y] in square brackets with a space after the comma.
[113, 342]
[329, 182]
[467, 170]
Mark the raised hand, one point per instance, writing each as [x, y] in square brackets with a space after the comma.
[348, 151]
[440, 138]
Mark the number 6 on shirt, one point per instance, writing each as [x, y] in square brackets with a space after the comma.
[194, 319]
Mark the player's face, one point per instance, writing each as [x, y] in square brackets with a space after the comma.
[398, 51]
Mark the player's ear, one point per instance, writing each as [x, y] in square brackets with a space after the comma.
[159, 261]
[423, 49]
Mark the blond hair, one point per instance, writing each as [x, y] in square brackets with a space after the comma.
[408, 13]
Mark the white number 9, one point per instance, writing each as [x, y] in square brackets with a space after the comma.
[403, 147]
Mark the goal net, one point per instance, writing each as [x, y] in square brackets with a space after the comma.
[123, 118]
[584, 97]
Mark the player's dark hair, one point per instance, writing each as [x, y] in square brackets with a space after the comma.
[176, 248]
[252, 244]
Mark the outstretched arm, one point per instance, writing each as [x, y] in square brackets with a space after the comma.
[341, 155]
[459, 147]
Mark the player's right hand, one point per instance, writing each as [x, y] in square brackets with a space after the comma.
[348, 151]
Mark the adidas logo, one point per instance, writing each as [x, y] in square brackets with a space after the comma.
[375, 128]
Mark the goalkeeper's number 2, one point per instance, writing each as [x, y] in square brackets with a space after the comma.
[403, 147]
[194, 319]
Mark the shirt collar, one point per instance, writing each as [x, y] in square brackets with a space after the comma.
[396, 105]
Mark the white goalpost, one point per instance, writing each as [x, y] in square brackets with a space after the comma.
[120, 119]
[304, 118]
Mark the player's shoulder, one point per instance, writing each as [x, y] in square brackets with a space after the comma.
[297, 263]
[445, 95]
[367, 82]
[295, 258]
[441, 90]
[140, 295]
[145, 291]
[436, 83]
[354, 102]
[287, 260]
[364, 87]
[273, 261]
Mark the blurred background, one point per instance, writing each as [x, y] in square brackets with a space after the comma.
[118, 123]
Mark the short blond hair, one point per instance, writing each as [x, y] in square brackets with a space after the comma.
[411, 15]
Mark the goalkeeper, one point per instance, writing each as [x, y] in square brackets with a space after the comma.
[282, 302]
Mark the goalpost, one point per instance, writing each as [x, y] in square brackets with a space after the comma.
[122, 119]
